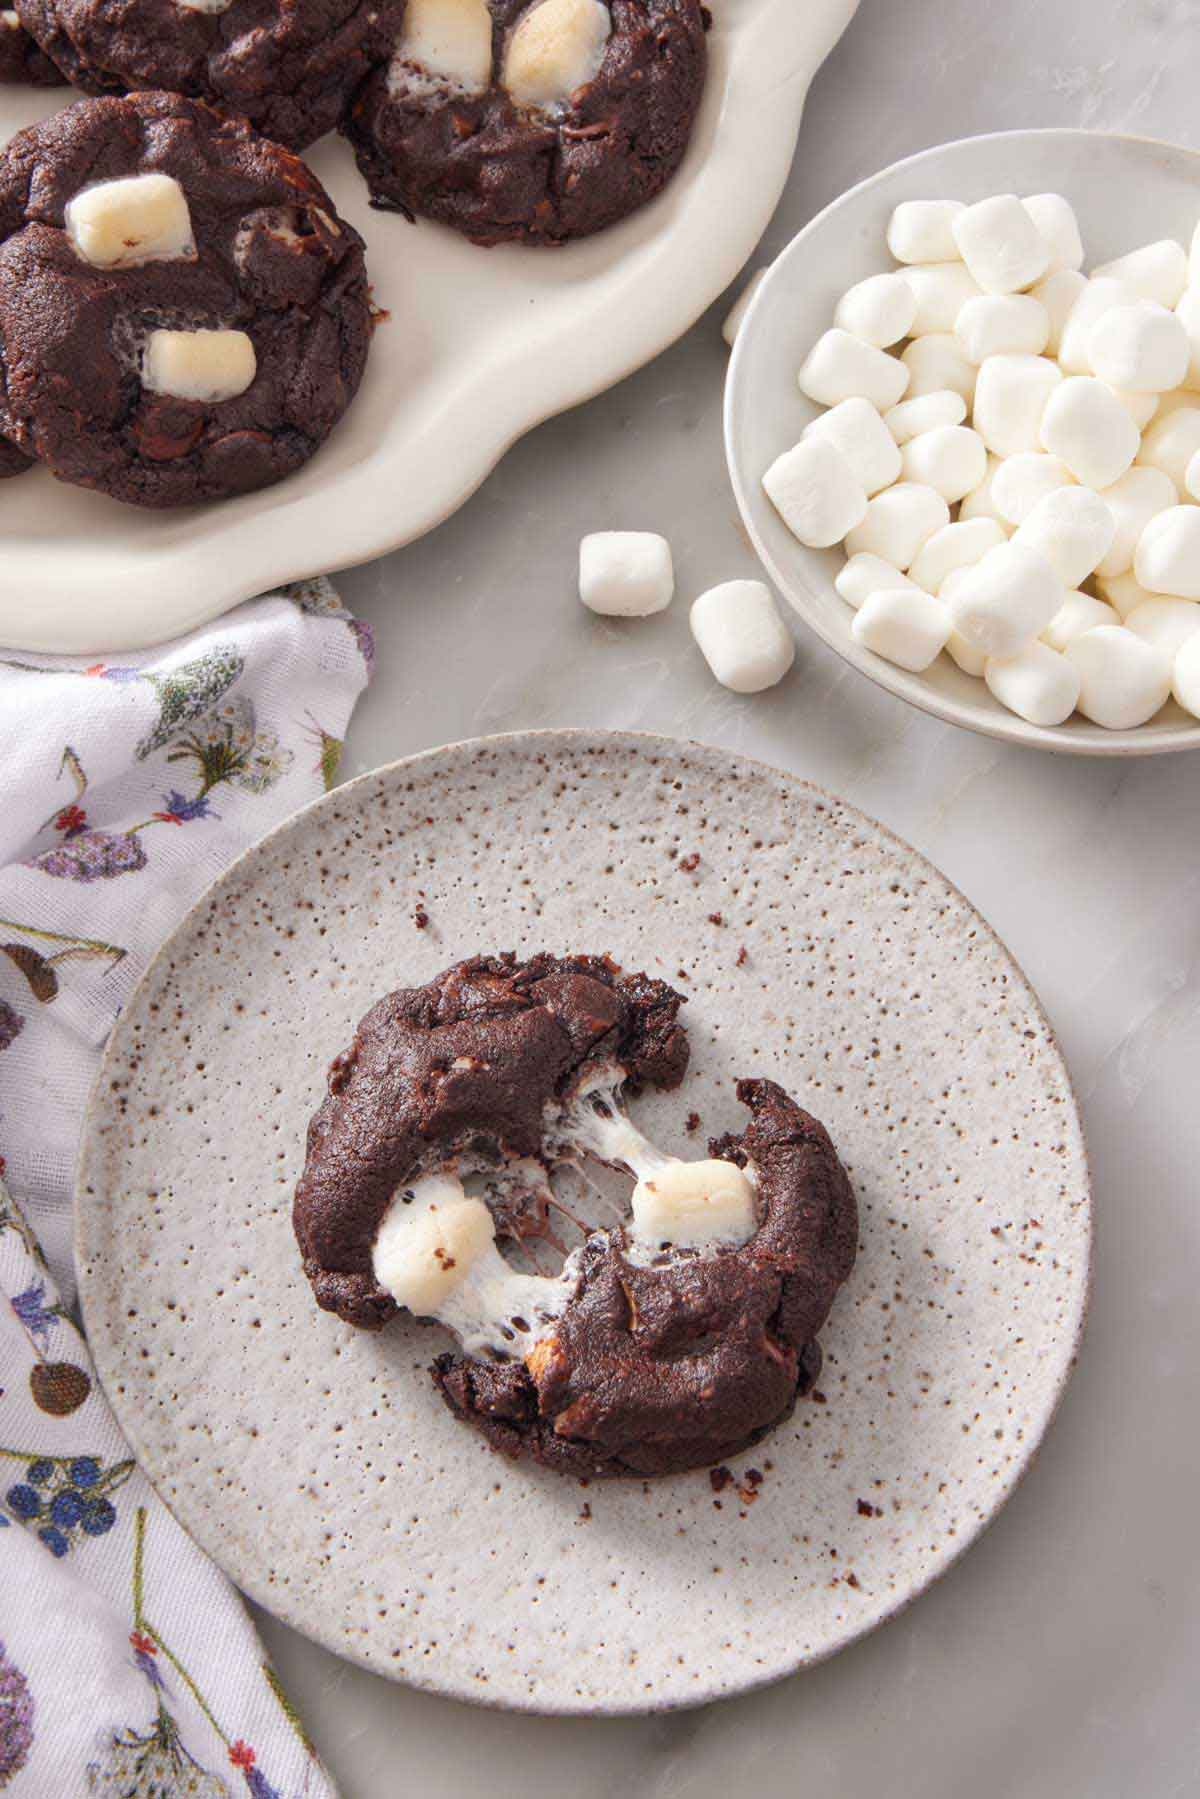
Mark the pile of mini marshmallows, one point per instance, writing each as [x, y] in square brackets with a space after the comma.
[1069, 576]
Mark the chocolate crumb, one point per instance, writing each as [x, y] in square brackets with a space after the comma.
[742, 957]
[753, 1477]
[585, 1513]
[421, 918]
[716, 918]
[819, 1397]
[852, 1580]
[720, 1478]
[693, 1122]
[689, 864]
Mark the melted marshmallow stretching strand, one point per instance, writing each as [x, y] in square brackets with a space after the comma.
[436, 1252]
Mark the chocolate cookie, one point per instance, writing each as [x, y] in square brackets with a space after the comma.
[289, 66]
[21, 60]
[12, 462]
[183, 316]
[539, 121]
[667, 1342]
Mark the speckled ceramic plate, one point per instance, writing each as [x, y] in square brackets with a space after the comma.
[316, 1463]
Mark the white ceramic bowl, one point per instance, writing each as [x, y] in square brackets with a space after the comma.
[1127, 191]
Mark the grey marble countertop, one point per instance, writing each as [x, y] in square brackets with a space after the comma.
[1061, 1656]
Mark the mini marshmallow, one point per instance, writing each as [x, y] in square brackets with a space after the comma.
[1073, 529]
[694, 1205]
[935, 364]
[1098, 297]
[1124, 593]
[741, 306]
[1078, 613]
[923, 231]
[899, 523]
[971, 660]
[927, 413]
[956, 547]
[1171, 442]
[816, 492]
[1086, 425]
[1001, 245]
[1001, 325]
[1006, 600]
[1167, 560]
[1038, 684]
[555, 47]
[941, 290]
[982, 502]
[1010, 399]
[1142, 348]
[625, 574]
[1123, 680]
[1185, 684]
[952, 460]
[1140, 407]
[1194, 258]
[1058, 294]
[864, 440]
[904, 626]
[1188, 314]
[1134, 500]
[136, 219]
[741, 636]
[1167, 624]
[1021, 481]
[840, 367]
[1157, 272]
[879, 310]
[1192, 478]
[450, 40]
[864, 575]
[1054, 217]
[208, 366]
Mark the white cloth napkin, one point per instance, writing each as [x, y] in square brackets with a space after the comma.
[128, 1665]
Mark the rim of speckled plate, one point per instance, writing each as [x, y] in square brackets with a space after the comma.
[639, 742]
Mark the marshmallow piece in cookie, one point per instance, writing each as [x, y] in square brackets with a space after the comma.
[1038, 684]
[899, 523]
[741, 636]
[1140, 495]
[555, 47]
[880, 310]
[864, 575]
[955, 547]
[1141, 348]
[941, 290]
[926, 413]
[1086, 425]
[864, 440]
[1167, 560]
[135, 219]
[936, 364]
[1006, 600]
[625, 574]
[1168, 624]
[923, 231]
[1078, 613]
[1073, 529]
[904, 626]
[1123, 679]
[1156, 272]
[1001, 245]
[1021, 482]
[1056, 222]
[1058, 294]
[840, 367]
[450, 41]
[1002, 325]
[426, 1249]
[1011, 399]
[952, 460]
[207, 366]
[694, 1205]
[741, 306]
[816, 492]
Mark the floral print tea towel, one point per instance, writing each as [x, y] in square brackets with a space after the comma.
[128, 1666]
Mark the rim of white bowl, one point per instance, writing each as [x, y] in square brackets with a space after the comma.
[796, 582]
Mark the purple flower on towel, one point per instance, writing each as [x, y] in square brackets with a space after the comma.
[92, 856]
[16, 1719]
[37, 1317]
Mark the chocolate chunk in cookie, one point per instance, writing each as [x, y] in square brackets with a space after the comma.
[533, 120]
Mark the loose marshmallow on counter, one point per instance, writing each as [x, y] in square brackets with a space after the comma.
[135, 219]
[1002, 324]
[1171, 442]
[952, 460]
[1021, 481]
[1056, 222]
[1167, 624]
[741, 636]
[556, 46]
[1038, 684]
[1141, 348]
[741, 306]
[880, 310]
[1010, 399]
[864, 440]
[1001, 245]
[1074, 531]
[1006, 600]
[1124, 681]
[923, 230]
[935, 364]
[941, 290]
[1098, 296]
[625, 574]
[816, 492]
[982, 502]
[927, 413]
[841, 367]
[1124, 593]
[1188, 314]
[955, 547]
[1078, 613]
[1134, 500]
[1086, 425]
[450, 40]
[904, 626]
[1155, 272]
[1185, 684]
[1167, 560]
[864, 575]
[208, 366]
[1058, 294]
[899, 523]
[694, 1205]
